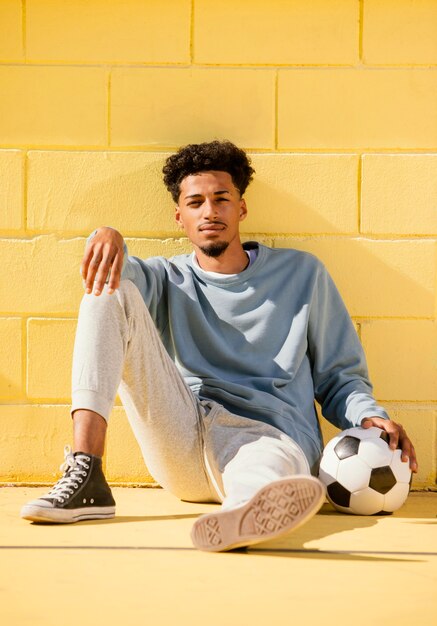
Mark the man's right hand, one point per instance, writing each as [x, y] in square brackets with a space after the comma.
[103, 254]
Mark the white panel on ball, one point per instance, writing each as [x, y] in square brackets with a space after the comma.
[366, 502]
[326, 477]
[353, 473]
[395, 498]
[400, 469]
[375, 452]
[365, 433]
[329, 464]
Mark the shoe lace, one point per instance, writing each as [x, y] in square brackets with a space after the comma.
[74, 468]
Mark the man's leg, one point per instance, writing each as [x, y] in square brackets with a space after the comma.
[117, 346]
[264, 479]
[89, 432]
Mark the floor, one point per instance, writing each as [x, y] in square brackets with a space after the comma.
[141, 568]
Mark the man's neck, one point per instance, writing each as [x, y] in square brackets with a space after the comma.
[232, 261]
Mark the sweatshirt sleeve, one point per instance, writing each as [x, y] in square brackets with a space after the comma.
[148, 275]
[341, 381]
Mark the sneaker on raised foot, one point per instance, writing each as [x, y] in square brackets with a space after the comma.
[275, 509]
[81, 494]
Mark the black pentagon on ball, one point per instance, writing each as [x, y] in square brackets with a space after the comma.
[339, 494]
[384, 435]
[346, 447]
[382, 479]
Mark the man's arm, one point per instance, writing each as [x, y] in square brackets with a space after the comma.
[341, 382]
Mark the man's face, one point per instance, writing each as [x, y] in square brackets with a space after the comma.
[210, 211]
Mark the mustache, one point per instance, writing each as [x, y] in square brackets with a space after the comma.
[215, 223]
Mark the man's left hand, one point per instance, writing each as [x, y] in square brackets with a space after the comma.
[397, 436]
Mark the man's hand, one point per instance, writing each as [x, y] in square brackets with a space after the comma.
[103, 254]
[397, 435]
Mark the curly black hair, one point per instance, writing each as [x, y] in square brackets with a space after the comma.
[222, 156]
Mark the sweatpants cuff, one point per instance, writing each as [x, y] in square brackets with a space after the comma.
[91, 400]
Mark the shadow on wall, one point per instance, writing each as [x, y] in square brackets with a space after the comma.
[377, 278]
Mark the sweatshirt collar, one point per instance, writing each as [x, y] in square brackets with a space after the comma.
[231, 279]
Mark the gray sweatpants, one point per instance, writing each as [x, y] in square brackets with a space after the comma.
[196, 449]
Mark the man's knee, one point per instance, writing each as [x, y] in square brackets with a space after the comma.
[129, 296]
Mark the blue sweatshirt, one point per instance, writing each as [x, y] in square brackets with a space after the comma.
[264, 343]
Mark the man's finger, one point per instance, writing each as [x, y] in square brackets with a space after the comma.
[93, 266]
[114, 278]
[100, 279]
[391, 428]
[393, 433]
[409, 454]
[85, 262]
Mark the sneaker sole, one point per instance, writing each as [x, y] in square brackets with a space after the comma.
[274, 510]
[36, 513]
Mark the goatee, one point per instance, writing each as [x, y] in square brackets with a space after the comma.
[215, 249]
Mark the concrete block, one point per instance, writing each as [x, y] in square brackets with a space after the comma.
[32, 440]
[50, 345]
[124, 461]
[53, 105]
[377, 278]
[11, 358]
[278, 32]
[87, 32]
[404, 33]
[11, 30]
[420, 422]
[402, 358]
[47, 273]
[399, 194]
[173, 107]
[11, 190]
[357, 109]
[303, 193]
[78, 191]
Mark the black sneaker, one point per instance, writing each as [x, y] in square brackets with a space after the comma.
[82, 493]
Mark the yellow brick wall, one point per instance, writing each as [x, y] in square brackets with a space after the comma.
[336, 103]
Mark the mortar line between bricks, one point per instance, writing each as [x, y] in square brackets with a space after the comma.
[191, 33]
[360, 31]
[359, 184]
[139, 65]
[24, 358]
[144, 148]
[24, 28]
[276, 111]
[24, 190]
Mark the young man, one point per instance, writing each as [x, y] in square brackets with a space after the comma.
[218, 357]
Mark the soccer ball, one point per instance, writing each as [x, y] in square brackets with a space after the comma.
[362, 474]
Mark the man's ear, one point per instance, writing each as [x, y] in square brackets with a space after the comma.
[243, 210]
[178, 217]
